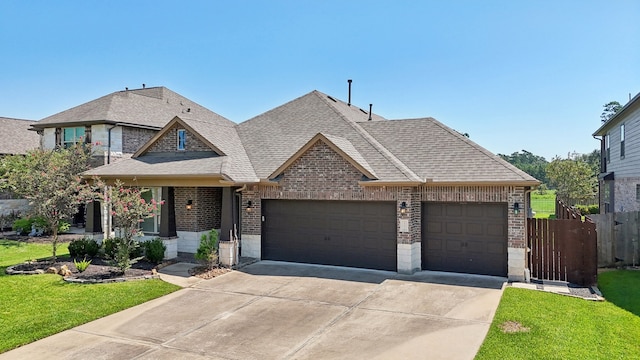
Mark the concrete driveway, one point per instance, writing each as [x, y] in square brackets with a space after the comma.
[275, 310]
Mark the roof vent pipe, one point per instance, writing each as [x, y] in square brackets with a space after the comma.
[144, 86]
[349, 81]
[370, 106]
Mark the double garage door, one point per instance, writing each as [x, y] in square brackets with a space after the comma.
[457, 237]
[466, 238]
[344, 233]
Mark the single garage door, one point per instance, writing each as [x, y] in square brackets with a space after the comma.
[344, 233]
[466, 238]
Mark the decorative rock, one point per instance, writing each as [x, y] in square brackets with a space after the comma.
[52, 270]
[64, 270]
[154, 272]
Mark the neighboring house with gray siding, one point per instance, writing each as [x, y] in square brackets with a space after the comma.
[619, 179]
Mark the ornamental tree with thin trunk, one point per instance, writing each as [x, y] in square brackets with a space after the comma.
[50, 180]
[128, 209]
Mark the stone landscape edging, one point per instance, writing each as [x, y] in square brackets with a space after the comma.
[70, 279]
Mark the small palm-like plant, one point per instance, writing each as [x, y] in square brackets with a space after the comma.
[82, 265]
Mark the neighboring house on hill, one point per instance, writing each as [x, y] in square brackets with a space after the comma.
[321, 181]
[15, 139]
[619, 179]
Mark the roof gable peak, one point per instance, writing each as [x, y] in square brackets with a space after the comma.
[340, 145]
[163, 132]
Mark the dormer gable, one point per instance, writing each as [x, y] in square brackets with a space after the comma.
[178, 137]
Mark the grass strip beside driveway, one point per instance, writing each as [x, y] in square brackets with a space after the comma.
[622, 288]
[36, 306]
[553, 326]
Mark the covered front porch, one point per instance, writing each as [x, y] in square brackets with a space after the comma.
[187, 213]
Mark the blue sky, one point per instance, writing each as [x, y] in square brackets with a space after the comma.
[513, 74]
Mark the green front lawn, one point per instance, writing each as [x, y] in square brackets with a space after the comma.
[35, 306]
[622, 288]
[562, 327]
[543, 205]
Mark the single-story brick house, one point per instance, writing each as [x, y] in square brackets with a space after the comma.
[321, 181]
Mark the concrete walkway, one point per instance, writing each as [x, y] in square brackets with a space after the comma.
[273, 310]
[178, 274]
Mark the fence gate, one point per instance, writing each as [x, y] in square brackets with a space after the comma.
[563, 250]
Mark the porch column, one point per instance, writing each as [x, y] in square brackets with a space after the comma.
[226, 216]
[93, 218]
[168, 213]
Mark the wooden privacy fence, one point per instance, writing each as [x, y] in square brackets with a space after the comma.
[563, 250]
[564, 211]
[618, 235]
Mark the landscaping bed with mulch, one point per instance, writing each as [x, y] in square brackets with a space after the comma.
[99, 271]
[204, 272]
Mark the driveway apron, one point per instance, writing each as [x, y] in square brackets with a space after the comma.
[276, 310]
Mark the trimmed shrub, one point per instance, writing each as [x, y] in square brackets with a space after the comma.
[154, 250]
[208, 249]
[588, 209]
[110, 246]
[83, 247]
[22, 226]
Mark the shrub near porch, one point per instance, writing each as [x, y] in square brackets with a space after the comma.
[36, 306]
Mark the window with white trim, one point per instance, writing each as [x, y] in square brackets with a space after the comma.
[182, 139]
[151, 225]
[72, 136]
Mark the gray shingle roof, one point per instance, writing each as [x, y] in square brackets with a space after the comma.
[184, 165]
[408, 151]
[234, 165]
[151, 107]
[438, 153]
[347, 147]
[15, 136]
[274, 136]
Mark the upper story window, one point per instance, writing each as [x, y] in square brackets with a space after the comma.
[71, 136]
[607, 146]
[622, 140]
[182, 139]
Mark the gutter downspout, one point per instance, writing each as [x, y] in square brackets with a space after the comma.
[601, 140]
[109, 143]
[108, 220]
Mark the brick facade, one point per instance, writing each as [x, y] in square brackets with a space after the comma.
[321, 169]
[251, 221]
[322, 174]
[134, 138]
[169, 142]
[205, 209]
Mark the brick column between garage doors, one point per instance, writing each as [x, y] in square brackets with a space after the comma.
[408, 230]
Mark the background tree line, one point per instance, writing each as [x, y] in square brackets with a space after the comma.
[574, 178]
